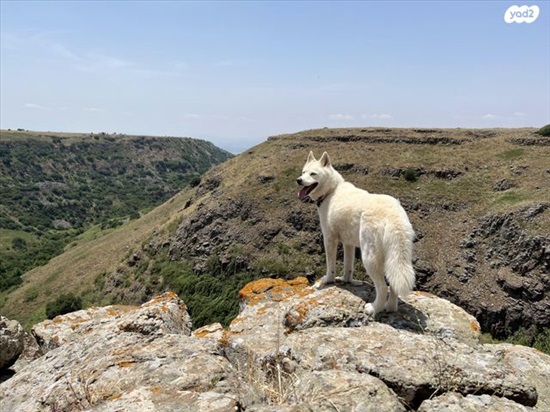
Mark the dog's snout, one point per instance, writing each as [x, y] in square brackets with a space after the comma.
[299, 180]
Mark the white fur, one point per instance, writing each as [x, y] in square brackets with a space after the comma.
[375, 223]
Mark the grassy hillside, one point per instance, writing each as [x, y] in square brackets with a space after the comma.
[478, 199]
[53, 186]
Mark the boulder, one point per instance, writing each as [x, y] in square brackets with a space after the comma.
[11, 341]
[292, 348]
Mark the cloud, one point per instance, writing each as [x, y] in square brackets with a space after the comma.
[93, 110]
[490, 116]
[63, 52]
[382, 116]
[340, 116]
[192, 116]
[519, 114]
[94, 62]
[35, 106]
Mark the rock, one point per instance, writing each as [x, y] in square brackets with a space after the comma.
[293, 348]
[124, 358]
[164, 314]
[534, 364]
[455, 402]
[265, 178]
[447, 174]
[31, 351]
[502, 185]
[11, 341]
[430, 346]
[504, 270]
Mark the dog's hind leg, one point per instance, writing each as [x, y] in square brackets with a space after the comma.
[391, 304]
[349, 255]
[373, 261]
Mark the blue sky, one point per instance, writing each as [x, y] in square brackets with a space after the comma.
[238, 72]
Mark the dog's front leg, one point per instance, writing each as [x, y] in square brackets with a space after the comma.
[331, 247]
[349, 255]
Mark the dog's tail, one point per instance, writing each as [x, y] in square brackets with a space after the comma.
[398, 240]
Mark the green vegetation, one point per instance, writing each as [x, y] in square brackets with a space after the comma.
[533, 337]
[53, 187]
[512, 154]
[510, 197]
[411, 175]
[207, 298]
[65, 303]
[544, 131]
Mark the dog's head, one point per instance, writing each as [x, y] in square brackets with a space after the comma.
[316, 175]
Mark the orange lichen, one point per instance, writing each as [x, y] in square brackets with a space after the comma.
[224, 340]
[201, 333]
[475, 326]
[237, 320]
[275, 290]
[298, 313]
[115, 396]
[165, 297]
[155, 390]
[125, 363]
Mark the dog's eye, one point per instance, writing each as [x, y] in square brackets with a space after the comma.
[313, 174]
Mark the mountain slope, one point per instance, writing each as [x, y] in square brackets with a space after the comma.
[54, 185]
[478, 200]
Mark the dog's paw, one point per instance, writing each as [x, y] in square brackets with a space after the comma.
[371, 311]
[323, 282]
[349, 281]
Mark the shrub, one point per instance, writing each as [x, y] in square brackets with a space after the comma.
[542, 341]
[544, 130]
[19, 243]
[411, 175]
[195, 181]
[65, 303]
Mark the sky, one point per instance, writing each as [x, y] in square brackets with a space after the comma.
[236, 73]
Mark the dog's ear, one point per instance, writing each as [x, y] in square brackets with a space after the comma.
[310, 158]
[325, 160]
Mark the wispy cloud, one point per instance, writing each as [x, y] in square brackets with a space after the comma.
[490, 116]
[520, 114]
[341, 116]
[210, 117]
[93, 110]
[380, 116]
[35, 106]
[96, 62]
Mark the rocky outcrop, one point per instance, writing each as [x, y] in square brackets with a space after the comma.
[292, 348]
[521, 261]
[11, 341]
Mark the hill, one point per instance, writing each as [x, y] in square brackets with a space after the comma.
[54, 186]
[478, 200]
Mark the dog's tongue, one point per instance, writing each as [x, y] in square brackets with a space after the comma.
[302, 194]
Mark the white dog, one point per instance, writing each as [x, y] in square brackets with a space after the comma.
[375, 223]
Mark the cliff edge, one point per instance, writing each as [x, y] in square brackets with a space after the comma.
[293, 347]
